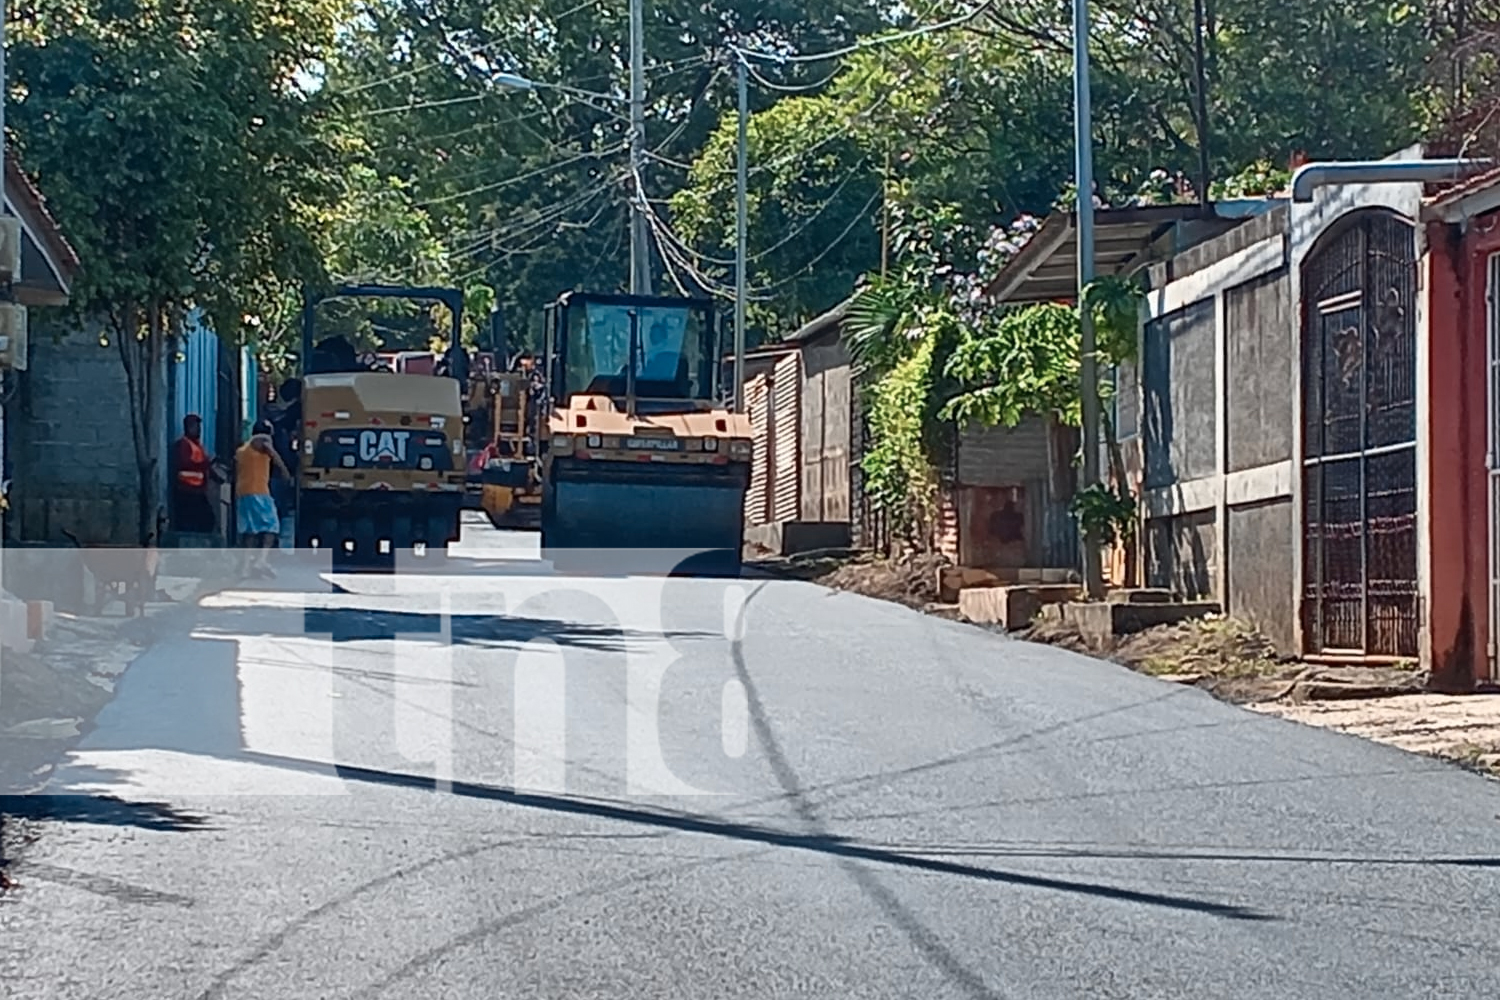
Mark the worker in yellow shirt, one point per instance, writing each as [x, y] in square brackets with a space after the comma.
[255, 510]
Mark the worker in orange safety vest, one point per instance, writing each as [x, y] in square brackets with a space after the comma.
[192, 469]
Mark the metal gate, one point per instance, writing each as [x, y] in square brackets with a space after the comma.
[1359, 587]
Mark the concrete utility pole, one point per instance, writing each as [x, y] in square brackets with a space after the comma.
[742, 197]
[1093, 571]
[640, 260]
[3, 151]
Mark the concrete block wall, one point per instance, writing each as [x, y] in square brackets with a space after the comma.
[71, 447]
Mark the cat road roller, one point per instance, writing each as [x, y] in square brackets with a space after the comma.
[380, 462]
[638, 452]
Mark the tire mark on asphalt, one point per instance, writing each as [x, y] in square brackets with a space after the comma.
[268, 946]
[491, 927]
[102, 885]
[925, 940]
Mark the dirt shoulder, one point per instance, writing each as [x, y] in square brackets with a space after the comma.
[1229, 659]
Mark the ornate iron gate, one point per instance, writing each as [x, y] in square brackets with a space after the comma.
[1359, 586]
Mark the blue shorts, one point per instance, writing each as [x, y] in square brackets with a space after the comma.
[256, 515]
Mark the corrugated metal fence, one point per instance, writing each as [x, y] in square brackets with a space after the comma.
[758, 403]
[786, 427]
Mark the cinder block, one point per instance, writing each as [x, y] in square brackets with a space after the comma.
[13, 630]
[1101, 623]
[954, 580]
[1013, 607]
[39, 618]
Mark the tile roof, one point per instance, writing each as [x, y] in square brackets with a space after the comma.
[23, 194]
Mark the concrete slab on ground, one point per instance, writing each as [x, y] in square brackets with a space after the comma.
[1012, 607]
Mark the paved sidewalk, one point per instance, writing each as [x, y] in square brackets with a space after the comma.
[1464, 728]
[50, 694]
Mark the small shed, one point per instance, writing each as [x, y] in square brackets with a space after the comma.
[802, 408]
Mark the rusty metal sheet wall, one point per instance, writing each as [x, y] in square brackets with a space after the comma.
[1001, 456]
[786, 425]
[757, 500]
[812, 447]
[836, 444]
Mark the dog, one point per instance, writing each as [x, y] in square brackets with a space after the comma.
[124, 572]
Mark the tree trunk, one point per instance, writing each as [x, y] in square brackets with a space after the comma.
[153, 500]
[143, 356]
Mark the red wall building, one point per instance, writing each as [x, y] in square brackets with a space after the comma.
[1462, 228]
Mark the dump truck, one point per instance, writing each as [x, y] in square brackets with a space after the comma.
[638, 452]
[381, 457]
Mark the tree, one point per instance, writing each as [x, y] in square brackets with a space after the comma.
[529, 192]
[185, 162]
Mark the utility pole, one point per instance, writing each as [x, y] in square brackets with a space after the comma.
[4, 93]
[742, 199]
[1093, 571]
[640, 260]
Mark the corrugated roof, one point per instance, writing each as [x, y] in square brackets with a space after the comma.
[823, 324]
[1046, 268]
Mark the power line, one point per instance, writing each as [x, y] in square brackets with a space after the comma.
[518, 178]
[796, 231]
[783, 88]
[870, 43]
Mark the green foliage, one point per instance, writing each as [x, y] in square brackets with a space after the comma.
[897, 468]
[1116, 309]
[1260, 179]
[1026, 360]
[1106, 515]
[1028, 363]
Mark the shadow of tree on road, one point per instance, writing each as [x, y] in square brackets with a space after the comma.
[101, 810]
[341, 625]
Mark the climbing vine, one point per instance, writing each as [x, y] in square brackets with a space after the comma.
[1027, 361]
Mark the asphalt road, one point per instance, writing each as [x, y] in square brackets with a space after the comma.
[493, 782]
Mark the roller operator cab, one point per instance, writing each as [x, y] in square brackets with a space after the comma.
[381, 463]
[638, 452]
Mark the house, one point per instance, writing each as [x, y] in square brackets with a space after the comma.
[1308, 417]
[800, 397]
[1002, 504]
[1127, 242]
[69, 442]
[1458, 365]
[48, 265]
[47, 268]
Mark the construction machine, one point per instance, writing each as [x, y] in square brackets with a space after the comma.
[510, 470]
[637, 452]
[381, 456]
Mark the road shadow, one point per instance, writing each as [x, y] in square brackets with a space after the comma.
[832, 846]
[101, 810]
[485, 630]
